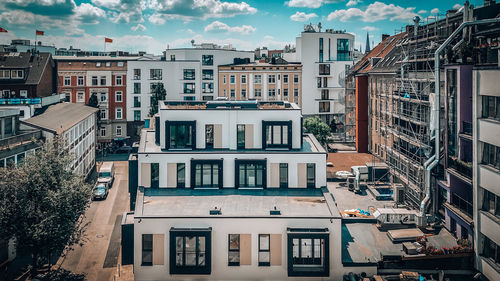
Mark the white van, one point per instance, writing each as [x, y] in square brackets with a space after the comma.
[106, 174]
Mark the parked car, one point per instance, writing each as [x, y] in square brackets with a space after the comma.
[100, 191]
[107, 174]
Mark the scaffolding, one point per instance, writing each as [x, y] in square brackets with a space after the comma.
[411, 101]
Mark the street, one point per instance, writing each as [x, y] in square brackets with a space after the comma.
[99, 256]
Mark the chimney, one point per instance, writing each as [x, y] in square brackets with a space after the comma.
[385, 36]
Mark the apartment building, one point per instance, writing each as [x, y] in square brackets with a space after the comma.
[102, 77]
[262, 81]
[232, 190]
[455, 196]
[186, 74]
[486, 156]
[325, 56]
[77, 124]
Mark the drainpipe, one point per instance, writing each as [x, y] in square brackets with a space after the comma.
[436, 108]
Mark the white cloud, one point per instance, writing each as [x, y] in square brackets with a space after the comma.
[353, 3]
[457, 6]
[308, 3]
[301, 16]
[188, 10]
[374, 12]
[435, 11]
[123, 11]
[138, 27]
[422, 12]
[369, 28]
[218, 26]
[88, 13]
[17, 17]
[156, 19]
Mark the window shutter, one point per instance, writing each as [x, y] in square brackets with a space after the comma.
[275, 175]
[146, 174]
[275, 249]
[158, 248]
[218, 136]
[301, 175]
[248, 136]
[172, 175]
[245, 249]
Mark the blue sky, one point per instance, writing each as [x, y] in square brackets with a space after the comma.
[152, 25]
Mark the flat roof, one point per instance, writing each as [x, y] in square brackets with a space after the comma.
[365, 243]
[261, 64]
[148, 145]
[95, 58]
[194, 203]
[229, 105]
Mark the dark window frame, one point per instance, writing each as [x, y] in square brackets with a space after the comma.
[239, 144]
[325, 272]
[180, 167]
[202, 162]
[209, 136]
[238, 162]
[207, 59]
[229, 250]
[266, 124]
[189, 74]
[147, 250]
[155, 177]
[264, 250]
[313, 183]
[190, 232]
[283, 184]
[192, 124]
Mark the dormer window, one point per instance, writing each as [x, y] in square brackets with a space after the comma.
[4, 74]
[17, 74]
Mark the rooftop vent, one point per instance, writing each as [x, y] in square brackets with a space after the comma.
[215, 211]
[275, 212]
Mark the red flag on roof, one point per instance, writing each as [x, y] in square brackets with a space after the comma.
[3, 30]
[39, 32]
[108, 40]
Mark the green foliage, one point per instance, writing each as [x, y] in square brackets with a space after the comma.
[157, 95]
[318, 128]
[42, 203]
[61, 275]
[93, 102]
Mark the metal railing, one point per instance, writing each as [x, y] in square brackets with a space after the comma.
[20, 139]
[462, 167]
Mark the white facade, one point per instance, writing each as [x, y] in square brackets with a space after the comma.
[179, 85]
[82, 141]
[486, 171]
[249, 163]
[323, 91]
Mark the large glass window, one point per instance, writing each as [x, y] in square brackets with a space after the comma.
[491, 155]
[147, 250]
[343, 49]
[308, 254]
[234, 250]
[206, 173]
[137, 74]
[311, 175]
[491, 250]
[491, 203]
[207, 60]
[264, 250]
[324, 106]
[207, 74]
[137, 115]
[209, 136]
[137, 101]
[189, 74]
[277, 134]
[320, 49]
[181, 175]
[324, 69]
[283, 174]
[137, 88]
[250, 174]
[491, 107]
[180, 134]
[189, 88]
[155, 175]
[190, 251]
[155, 74]
[240, 136]
[207, 87]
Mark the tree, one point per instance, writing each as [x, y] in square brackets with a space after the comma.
[157, 95]
[93, 101]
[42, 203]
[318, 128]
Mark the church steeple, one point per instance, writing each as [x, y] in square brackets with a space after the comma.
[367, 49]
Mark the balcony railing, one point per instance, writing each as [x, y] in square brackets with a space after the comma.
[462, 167]
[20, 139]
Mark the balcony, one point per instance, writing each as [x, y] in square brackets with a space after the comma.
[23, 138]
[461, 167]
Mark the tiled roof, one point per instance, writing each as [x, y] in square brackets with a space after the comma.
[36, 64]
[380, 51]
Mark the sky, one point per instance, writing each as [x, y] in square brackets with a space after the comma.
[154, 25]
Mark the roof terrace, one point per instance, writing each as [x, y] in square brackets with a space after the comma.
[226, 105]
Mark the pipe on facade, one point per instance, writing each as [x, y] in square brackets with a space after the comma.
[437, 106]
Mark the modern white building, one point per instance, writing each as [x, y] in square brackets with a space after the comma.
[232, 190]
[486, 170]
[325, 56]
[186, 74]
[76, 123]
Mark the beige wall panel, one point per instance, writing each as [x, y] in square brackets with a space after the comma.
[146, 174]
[275, 244]
[218, 136]
[301, 175]
[172, 175]
[158, 248]
[245, 249]
[249, 136]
